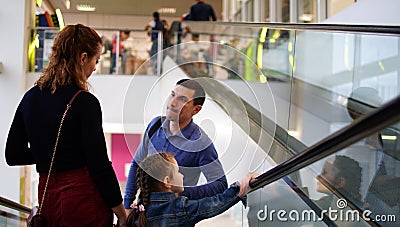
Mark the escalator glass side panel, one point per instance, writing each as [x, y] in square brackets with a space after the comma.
[356, 186]
[361, 179]
[282, 203]
[347, 68]
[11, 217]
[311, 73]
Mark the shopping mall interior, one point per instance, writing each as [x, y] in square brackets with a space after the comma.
[282, 79]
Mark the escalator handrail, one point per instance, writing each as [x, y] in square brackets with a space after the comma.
[381, 118]
[13, 205]
[341, 28]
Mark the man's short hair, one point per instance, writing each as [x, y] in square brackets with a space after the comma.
[156, 15]
[199, 95]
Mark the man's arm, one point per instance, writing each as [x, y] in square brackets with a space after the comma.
[147, 27]
[130, 188]
[141, 153]
[191, 14]
[212, 13]
[212, 169]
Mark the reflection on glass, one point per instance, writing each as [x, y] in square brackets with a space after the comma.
[344, 175]
[276, 58]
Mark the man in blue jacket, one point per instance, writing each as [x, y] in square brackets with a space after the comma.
[178, 134]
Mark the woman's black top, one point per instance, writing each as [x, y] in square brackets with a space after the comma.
[34, 129]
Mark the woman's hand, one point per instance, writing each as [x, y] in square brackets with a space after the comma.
[121, 215]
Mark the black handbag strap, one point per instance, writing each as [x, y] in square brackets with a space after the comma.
[55, 148]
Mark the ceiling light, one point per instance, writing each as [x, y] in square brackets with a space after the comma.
[85, 7]
[387, 137]
[60, 19]
[167, 10]
[67, 4]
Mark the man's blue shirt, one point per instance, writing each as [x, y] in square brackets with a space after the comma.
[194, 152]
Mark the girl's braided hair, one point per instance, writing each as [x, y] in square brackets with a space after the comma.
[149, 178]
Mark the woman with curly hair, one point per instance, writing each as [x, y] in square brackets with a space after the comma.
[81, 189]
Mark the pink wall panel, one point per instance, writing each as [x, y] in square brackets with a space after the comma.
[123, 147]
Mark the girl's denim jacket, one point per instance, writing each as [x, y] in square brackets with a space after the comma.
[166, 209]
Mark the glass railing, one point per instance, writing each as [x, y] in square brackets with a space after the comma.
[316, 189]
[12, 213]
[357, 185]
[317, 74]
[316, 106]
[309, 80]
[129, 58]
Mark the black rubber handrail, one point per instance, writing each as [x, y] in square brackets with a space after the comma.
[13, 205]
[381, 118]
[342, 28]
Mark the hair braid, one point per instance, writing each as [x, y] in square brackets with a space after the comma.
[147, 182]
[142, 220]
[144, 197]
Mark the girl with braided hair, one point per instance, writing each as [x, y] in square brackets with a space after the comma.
[159, 182]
